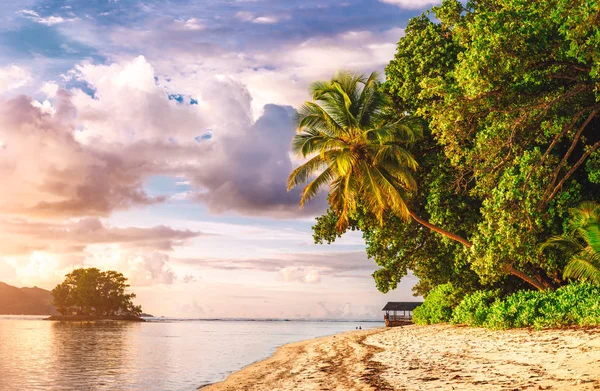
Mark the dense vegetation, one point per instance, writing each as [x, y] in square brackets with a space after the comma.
[476, 165]
[91, 292]
[570, 305]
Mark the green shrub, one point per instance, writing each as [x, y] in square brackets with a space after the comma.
[437, 307]
[474, 308]
[576, 304]
[521, 309]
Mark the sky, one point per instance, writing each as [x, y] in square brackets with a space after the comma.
[153, 138]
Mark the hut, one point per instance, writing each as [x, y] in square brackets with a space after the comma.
[392, 310]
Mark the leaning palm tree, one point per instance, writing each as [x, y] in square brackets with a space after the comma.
[354, 150]
[581, 243]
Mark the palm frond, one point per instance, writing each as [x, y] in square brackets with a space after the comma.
[302, 173]
[591, 235]
[313, 116]
[584, 267]
[356, 149]
[566, 243]
[368, 98]
[313, 188]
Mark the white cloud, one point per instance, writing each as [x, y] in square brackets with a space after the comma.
[191, 24]
[45, 106]
[13, 77]
[50, 89]
[296, 274]
[48, 21]
[265, 20]
[412, 4]
[246, 16]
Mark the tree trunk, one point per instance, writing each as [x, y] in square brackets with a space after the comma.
[437, 229]
[526, 278]
[539, 285]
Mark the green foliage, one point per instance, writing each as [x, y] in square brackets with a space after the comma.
[93, 292]
[353, 148]
[474, 308]
[581, 243]
[509, 90]
[438, 305]
[571, 305]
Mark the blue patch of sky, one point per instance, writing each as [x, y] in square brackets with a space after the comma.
[81, 85]
[204, 136]
[180, 98]
[163, 185]
[176, 97]
[33, 39]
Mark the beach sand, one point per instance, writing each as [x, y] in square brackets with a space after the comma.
[424, 358]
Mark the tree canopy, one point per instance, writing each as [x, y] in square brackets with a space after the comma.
[509, 93]
[94, 292]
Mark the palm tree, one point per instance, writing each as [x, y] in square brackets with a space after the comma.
[581, 243]
[355, 151]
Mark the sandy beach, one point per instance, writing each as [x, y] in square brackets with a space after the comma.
[426, 358]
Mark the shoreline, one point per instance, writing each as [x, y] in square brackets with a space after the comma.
[93, 318]
[438, 357]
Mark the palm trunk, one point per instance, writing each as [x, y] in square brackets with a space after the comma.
[437, 229]
[526, 278]
[464, 241]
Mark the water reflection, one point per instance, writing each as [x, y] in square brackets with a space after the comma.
[93, 350]
[65, 356]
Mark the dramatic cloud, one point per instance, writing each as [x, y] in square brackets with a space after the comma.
[89, 153]
[49, 173]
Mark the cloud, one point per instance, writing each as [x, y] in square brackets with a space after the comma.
[51, 174]
[89, 153]
[21, 237]
[412, 4]
[48, 21]
[295, 274]
[140, 267]
[265, 20]
[13, 77]
[192, 24]
[307, 267]
[246, 16]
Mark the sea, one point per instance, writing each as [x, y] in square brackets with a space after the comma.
[160, 354]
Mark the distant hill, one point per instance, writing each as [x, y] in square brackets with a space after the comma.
[25, 301]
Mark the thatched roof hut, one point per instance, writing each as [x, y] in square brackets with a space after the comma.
[396, 319]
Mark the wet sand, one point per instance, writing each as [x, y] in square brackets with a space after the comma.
[424, 358]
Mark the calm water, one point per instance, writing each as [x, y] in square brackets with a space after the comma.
[162, 355]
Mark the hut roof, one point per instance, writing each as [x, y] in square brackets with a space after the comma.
[401, 305]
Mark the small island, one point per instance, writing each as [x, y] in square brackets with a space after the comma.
[94, 295]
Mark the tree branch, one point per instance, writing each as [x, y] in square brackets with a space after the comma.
[572, 170]
[569, 152]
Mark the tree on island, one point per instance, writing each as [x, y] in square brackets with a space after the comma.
[91, 292]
